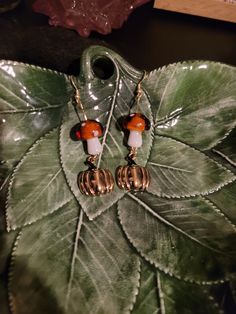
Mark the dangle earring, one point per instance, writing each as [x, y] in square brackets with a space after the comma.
[93, 181]
[133, 177]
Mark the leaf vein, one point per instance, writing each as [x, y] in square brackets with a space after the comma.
[168, 223]
[74, 255]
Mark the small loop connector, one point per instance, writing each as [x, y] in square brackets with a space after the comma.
[90, 161]
[139, 93]
[132, 156]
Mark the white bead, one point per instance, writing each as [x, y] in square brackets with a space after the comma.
[94, 146]
[135, 139]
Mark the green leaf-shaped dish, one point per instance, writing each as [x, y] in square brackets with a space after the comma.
[168, 250]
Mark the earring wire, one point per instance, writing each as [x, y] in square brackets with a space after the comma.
[139, 90]
[77, 96]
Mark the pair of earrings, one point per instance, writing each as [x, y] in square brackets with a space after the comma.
[131, 177]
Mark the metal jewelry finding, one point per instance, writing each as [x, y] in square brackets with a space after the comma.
[133, 177]
[94, 181]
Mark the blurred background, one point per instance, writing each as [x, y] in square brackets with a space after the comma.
[150, 38]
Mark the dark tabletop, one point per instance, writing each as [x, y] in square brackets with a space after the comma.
[149, 39]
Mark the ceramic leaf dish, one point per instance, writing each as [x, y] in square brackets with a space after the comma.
[168, 250]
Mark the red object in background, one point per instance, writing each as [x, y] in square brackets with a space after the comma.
[87, 15]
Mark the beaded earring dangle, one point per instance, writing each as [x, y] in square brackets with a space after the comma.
[93, 181]
[133, 177]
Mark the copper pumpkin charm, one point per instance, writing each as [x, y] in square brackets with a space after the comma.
[95, 182]
[133, 178]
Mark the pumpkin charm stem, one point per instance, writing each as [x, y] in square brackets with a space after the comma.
[132, 156]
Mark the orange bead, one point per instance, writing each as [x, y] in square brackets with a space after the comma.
[89, 129]
[136, 122]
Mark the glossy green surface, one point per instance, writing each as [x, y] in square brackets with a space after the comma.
[152, 252]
